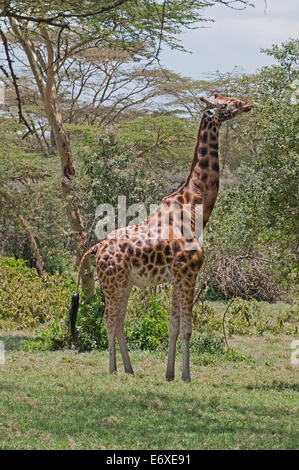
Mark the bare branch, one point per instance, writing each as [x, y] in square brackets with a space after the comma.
[14, 78]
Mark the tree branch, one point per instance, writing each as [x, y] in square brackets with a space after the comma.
[14, 78]
[52, 20]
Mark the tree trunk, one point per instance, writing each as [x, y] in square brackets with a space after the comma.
[48, 92]
[33, 243]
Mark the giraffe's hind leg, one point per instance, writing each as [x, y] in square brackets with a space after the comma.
[185, 292]
[110, 322]
[115, 311]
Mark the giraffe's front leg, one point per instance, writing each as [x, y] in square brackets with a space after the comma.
[185, 297]
[185, 332]
[174, 329]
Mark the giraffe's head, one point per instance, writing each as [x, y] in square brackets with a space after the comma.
[224, 108]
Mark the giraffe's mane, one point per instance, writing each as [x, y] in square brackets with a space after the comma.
[192, 165]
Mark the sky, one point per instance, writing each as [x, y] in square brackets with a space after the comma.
[234, 39]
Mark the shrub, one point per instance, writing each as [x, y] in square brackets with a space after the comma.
[91, 330]
[209, 349]
[207, 343]
[146, 330]
[27, 299]
[149, 329]
[146, 326]
[253, 318]
[245, 317]
[206, 318]
[56, 336]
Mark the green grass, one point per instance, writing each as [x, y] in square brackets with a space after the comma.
[66, 400]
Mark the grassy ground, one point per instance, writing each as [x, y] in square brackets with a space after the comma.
[66, 400]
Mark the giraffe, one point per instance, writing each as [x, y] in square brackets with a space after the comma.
[145, 254]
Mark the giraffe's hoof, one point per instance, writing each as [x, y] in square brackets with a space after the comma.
[170, 377]
[186, 378]
[129, 371]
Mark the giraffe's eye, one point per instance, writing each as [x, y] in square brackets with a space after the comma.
[223, 106]
[209, 112]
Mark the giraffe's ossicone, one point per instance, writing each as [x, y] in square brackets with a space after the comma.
[164, 247]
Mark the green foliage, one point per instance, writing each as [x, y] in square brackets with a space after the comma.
[206, 318]
[256, 215]
[209, 349]
[160, 138]
[54, 337]
[28, 300]
[82, 136]
[146, 326]
[252, 318]
[235, 356]
[90, 327]
[207, 343]
[91, 330]
[113, 170]
[149, 328]
[245, 317]
[57, 264]
[128, 26]
[31, 180]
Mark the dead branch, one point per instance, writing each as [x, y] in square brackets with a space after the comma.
[14, 79]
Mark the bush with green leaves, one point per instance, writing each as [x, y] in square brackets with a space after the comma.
[146, 326]
[55, 336]
[91, 329]
[245, 317]
[148, 329]
[253, 318]
[27, 299]
[207, 343]
[111, 170]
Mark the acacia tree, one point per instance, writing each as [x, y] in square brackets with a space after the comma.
[99, 85]
[51, 32]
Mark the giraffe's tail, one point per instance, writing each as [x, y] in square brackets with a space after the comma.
[73, 312]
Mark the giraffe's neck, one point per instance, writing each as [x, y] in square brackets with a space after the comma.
[203, 180]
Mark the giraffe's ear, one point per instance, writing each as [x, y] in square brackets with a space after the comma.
[217, 95]
[202, 98]
[208, 101]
